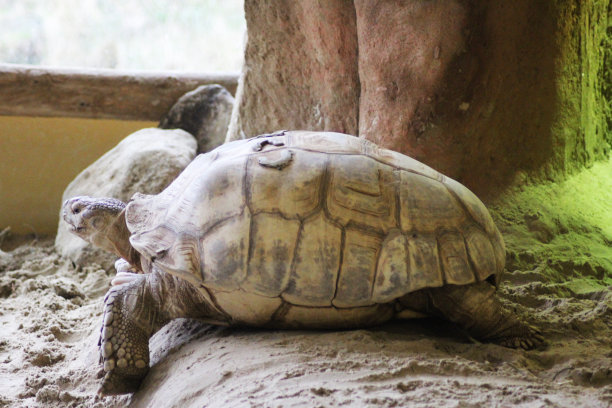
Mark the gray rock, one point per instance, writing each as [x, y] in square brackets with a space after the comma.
[146, 162]
[205, 113]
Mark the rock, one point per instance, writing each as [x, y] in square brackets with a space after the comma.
[145, 162]
[205, 113]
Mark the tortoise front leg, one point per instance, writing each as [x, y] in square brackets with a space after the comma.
[131, 316]
[134, 309]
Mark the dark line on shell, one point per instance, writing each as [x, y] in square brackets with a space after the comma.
[373, 283]
[332, 306]
[250, 248]
[277, 212]
[469, 259]
[367, 229]
[464, 207]
[341, 260]
[440, 260]
[397, 187]
[324, 188]
[280, 313]
[293, 265]
[216, 305]
[409, 271]
[246, 186]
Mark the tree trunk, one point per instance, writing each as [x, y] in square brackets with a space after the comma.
[484, 92]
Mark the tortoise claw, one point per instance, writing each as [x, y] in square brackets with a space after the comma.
[531, 338]
[114, 384]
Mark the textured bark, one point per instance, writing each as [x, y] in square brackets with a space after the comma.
[485, 92]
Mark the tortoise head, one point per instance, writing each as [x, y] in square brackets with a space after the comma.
[95, 219]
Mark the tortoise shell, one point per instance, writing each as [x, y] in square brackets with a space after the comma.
[317, 220]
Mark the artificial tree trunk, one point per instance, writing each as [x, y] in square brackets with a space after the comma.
[482, 91]
[300, 68]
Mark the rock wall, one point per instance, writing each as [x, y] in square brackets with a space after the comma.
[482, 91]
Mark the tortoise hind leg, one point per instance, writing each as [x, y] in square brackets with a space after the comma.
[476, 308]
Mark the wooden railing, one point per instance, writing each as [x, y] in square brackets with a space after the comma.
[27, 90]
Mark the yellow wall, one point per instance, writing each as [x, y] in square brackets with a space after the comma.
[40, 156]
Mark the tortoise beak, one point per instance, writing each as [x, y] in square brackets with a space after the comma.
[70, 210]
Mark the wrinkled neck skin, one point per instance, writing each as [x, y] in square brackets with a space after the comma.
[120, 244]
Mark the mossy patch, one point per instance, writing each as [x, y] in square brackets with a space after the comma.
[560, 232]
[559, 268]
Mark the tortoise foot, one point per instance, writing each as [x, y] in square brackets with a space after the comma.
[124, 345]
[114, 384]
[522, 337]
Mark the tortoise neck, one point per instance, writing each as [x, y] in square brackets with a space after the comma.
[121, 242]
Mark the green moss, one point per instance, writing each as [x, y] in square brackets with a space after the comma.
[560, 232]
[582, 129]
[606, 46]
[582, 287]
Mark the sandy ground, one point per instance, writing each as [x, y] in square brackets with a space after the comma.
[559, 278]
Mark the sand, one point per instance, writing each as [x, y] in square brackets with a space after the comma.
[559, 278]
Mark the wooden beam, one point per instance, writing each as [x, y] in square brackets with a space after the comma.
[27, 90]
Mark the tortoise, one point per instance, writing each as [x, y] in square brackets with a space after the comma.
[295, 230]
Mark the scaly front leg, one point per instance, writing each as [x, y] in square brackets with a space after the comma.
[136, 307]
[131, 316]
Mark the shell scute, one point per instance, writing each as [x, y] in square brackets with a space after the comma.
[315, 268]
[358, 269]
[423, 260]
[247, 308]
[426, 204]
[224, 253]
[294, 191]
[457, 270]
[361, 191]
[216, 194]
[473, 205]
[272, 246]
[481, 252]
[392, 273]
